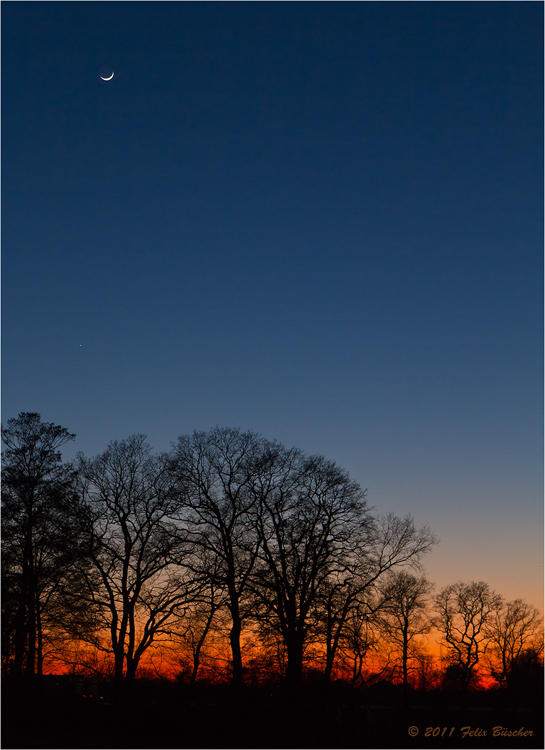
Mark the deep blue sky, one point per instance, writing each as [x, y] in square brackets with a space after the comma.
[319, 221]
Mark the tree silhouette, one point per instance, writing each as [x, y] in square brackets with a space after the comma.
[39, 536]
[137, 582]
[311, 523]
[464, 610]
[216, 472]
[405, 600]
[199, 620]
[386, 543]
[515, 633]
[359, 636]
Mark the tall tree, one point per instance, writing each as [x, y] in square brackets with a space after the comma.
[39, 534]
[405, 602]
[383, 545]
[464, 610]
[203, 617]
[311, 521]
[217, 473]
[137, 581]
[515, 631]
[359, 636]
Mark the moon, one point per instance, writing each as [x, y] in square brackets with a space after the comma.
[106, 73]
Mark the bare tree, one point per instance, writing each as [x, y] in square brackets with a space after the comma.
[405, 602]
[359, 636]
[198, 628]
[217, 472]
[427, 673]
[197, 621]
[464, 611]
[311, 521]
[137, 549]
[39, 536]
[382, 545]
[515, 631]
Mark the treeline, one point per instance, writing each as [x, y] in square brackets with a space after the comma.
[232, 539]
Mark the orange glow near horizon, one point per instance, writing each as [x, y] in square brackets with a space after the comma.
[164, 662]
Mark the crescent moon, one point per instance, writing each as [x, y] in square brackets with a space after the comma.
[108, 79]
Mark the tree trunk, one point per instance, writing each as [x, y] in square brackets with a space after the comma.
[20, 636]
[294, 671]
[118, 641]
[200, 644]
[31, 622]
[39, 641]
[21, 618]
[196, 665]
[405, 657]
[119, 658]
[330, 650]
[357, 670]
[332, 646]
[132, 666]
[328, 665]
[234, 638]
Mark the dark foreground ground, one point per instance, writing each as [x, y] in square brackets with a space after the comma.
[158, 715]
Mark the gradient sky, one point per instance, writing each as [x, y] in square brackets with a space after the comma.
[318, 221]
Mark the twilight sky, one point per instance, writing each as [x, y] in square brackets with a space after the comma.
[319, 221]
